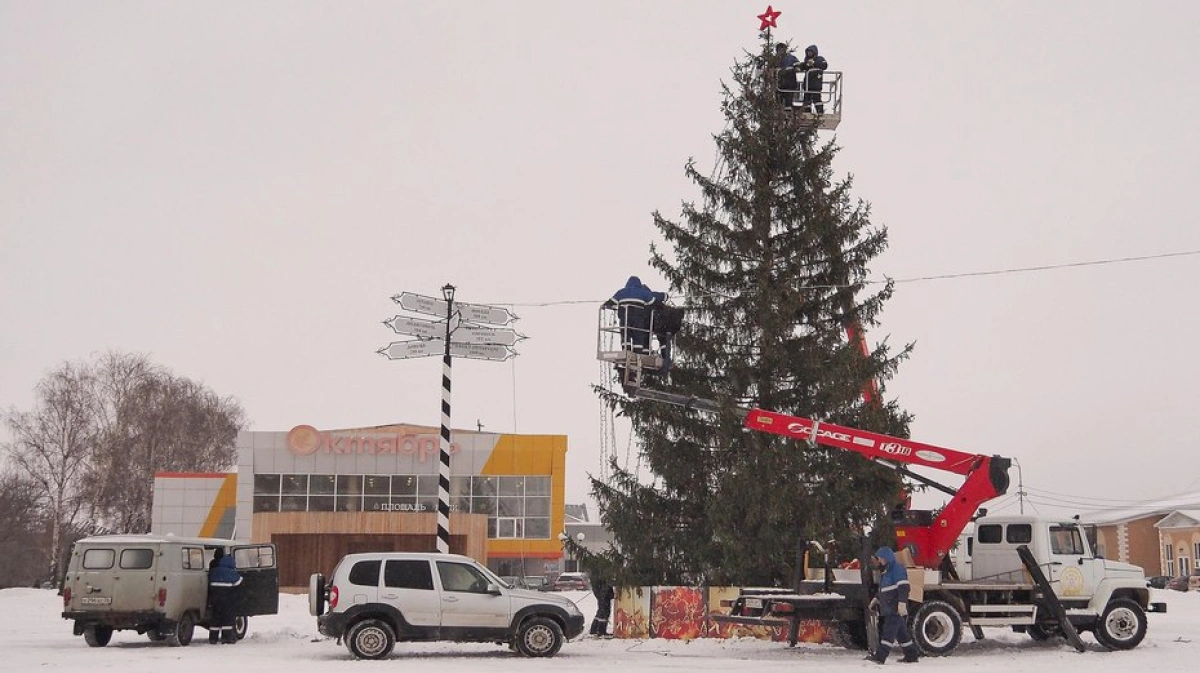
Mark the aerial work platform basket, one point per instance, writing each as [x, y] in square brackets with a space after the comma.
[818, 108]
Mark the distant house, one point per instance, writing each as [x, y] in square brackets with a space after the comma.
[1162, 536]
[1179, 534]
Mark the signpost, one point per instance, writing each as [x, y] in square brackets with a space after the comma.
[458, 334]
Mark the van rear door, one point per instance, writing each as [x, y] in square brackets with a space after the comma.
[133, 583]
[260, 579]
[92, 582]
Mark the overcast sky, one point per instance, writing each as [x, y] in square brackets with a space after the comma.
[238, 188]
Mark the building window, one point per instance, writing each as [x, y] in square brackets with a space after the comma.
[1196, 554]
[1170, 567]
[1170, 564]
[1184, 565]
[522, 502]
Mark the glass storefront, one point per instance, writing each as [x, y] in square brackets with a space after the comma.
[517, 507]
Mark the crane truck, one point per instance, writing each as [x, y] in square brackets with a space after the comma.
[1035, 575]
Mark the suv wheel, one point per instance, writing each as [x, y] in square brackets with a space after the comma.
[241, 624]
[97, 635]
[370, 639]
[539, 637]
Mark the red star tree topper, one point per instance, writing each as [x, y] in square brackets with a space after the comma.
[768, 18]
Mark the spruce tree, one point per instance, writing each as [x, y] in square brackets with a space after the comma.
[771, 267]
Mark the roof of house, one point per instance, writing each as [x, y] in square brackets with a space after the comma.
[1180, 518]
[1156, 509]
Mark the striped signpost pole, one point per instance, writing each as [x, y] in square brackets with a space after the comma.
[443, 518]
[463, 336]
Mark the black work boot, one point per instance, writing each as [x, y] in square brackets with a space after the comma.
[877, 657]
[911, 656]
[213, 636]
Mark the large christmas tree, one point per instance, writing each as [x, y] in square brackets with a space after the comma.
[771, 267]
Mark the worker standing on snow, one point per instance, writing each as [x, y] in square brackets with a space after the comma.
[892, 606]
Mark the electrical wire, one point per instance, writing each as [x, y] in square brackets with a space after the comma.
[919, 279]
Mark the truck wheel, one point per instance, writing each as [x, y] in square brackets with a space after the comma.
[539, 637]
[937, 628]
[97, 635]
[1122, 625]
[181, 634]
[370, 639]
[241, 624]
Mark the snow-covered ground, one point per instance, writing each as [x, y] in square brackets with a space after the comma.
[34, 637]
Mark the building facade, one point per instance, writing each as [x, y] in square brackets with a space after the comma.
[321, 493]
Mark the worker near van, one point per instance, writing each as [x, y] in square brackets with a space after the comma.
[892, 605]
[223, 580]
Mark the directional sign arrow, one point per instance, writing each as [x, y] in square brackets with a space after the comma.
[481, 352]
[473, 334]
[490, 315]
[423, 329]
[403, 350]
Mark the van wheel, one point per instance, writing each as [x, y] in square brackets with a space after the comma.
[937, 628]
[370, 639]
[181, 634]
[539, 637]
[97, 635]
[241, 624]
[1122, 625]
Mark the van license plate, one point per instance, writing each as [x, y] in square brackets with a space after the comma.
[754, 603]
[95, 600]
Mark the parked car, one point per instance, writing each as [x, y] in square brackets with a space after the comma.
[371, 601]
[571, 582]
[1158, 581]
[536, 582]
[158, 585]
[1194, 583]
[1179, 583]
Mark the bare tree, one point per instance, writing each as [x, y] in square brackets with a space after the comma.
[22, 557]
[99, 432]
[152, 421]
[51, 446]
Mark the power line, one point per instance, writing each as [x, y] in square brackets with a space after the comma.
[919, 279]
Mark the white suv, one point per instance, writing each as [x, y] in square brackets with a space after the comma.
[376, 599]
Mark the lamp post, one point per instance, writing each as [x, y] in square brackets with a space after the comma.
[570, 563]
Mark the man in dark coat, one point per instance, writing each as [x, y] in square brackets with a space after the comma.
[892, 606]
[223, 579]
[814, 66]
[786, 64]
[604, 593]
[635, 303]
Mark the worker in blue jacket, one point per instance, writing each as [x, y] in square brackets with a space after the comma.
[814, 66]
[892, 606]
[223, 580]
[635, 304]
